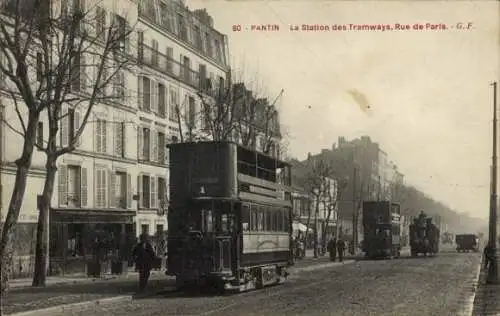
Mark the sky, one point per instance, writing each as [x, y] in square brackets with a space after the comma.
[429, 93]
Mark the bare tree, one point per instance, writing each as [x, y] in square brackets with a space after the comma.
[317, 185]
[334, 192]
[61, 60]
[230, 109]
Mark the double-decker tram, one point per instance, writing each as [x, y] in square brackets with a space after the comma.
[230, 217]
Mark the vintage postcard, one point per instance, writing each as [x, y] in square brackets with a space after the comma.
[217, 157]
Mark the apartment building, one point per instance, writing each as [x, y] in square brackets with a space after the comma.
[181, 58]
[114, 186]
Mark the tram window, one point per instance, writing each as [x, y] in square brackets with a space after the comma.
[285, 220]
[279, 220]
[208, 221]
[224, 222]
[260, 221]
[245, 218]
[254, 220]
[269, 218]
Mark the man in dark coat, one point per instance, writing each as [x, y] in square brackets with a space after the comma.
[332, 248]
[488, 255]
[144, 256]
[340, 249]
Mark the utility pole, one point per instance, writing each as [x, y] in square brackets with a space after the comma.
[493, 269]
[354, 215]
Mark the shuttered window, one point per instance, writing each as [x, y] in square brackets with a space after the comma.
[101, 188]
[161, 147]
[120, 139]
[101, 136]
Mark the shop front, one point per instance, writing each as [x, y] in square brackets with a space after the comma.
[91, 241]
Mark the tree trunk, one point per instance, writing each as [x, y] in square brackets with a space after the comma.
[324, 231]
[16, 201]
[316, 213]
[42, 231]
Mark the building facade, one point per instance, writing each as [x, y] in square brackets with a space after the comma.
[114, 186]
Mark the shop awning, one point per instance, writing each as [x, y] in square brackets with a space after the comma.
[89, 216]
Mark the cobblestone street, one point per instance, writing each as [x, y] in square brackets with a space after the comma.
[442, 285]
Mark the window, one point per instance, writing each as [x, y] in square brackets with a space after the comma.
[145, 229]
[186, 68]
[197, 37]
[101, 188]
[162, 102]
[222, 86]
[146, 192]
[245, 217]
[260, 219]
[71, 125]
[174, 103]
[208, 44]
[100, 136]
[192, 111]
[161, 147]
[170, 58]
[164, 18]
[146, 138]
[118, 82]
[77, 70]
[140, 45]
[146, 94]
[253, 218]
[120, 139]
[39, 134]
[182, 27]
[217, 50]
[101, 23]
[162, 193]
[120, 190]
[155, 53]
[39, 66]
[202, 73]
[74, 186]
[159, 229]
[120, 25]
[207, 220]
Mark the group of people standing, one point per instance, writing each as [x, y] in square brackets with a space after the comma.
[336, 247]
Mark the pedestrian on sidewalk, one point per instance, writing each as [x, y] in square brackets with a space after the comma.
[488, 255]
[340, 249]
[144, 256]
[332, 248]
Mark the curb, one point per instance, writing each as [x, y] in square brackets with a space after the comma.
[468, 309]
[74, 307]
[80, 306]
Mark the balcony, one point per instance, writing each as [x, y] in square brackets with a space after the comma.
[167, 65]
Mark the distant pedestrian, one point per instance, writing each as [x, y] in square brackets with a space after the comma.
[488, 255]
[144, 256]
[340, 249]
[332, 248]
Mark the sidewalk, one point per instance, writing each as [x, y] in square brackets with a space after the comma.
[113, 289]
[487, 300]
[60, 290]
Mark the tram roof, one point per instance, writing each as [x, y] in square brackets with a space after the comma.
[246, 151]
